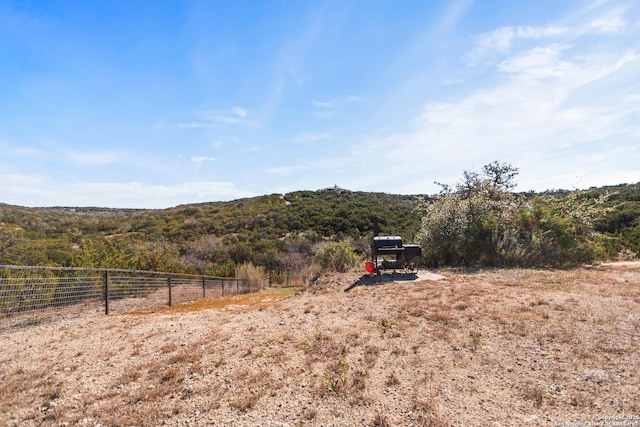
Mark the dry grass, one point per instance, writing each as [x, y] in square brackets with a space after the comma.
[380, 420]
[494, 347]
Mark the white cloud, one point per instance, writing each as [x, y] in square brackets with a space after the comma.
[549, 62]
[329, 108]
[612, 24]
[239, 112]
[232, 116]
[539, 62]
[28, 151]
[612, 20]
[195, 125]
[322, 104]
[212, 118]
[336, 102]
[534, 33]
[553, 110]
[501, 40]
[504, 40]
[201, 159]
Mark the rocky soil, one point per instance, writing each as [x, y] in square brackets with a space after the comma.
[444, 348]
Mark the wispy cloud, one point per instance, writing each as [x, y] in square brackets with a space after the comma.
[289, 63]
[611, 24]
[239, 112]
[501, 40]
[336, 101]
[453, 13]
[195, 125]
[212, 118]
[234, 115]
[202, 159]
[612, 20]
[597, 18]
[28, 151]
[553, 109]
[322, 104]
[539, 62]
[332, 106]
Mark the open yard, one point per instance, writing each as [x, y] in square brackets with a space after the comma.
[449, 348]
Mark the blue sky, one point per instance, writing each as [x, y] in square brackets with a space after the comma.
[155, 104]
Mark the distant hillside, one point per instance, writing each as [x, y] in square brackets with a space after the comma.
[622, 224]
[277, 232]
[213, 237]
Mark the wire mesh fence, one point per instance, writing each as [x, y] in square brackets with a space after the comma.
[31, 294]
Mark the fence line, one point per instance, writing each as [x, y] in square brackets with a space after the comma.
[29, 292]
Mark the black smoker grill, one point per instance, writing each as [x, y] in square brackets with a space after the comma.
[388, 253]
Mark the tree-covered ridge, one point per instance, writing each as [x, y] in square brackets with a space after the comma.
[282, 233]
[206, 237]
[622, 224]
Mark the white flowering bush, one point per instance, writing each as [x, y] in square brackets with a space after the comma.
[482, 222]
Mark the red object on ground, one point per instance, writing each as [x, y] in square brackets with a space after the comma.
[369, 266]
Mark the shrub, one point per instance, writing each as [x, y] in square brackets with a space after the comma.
[627, 254]
[480, 221]
[337, 256]
[254, 275]
[462, 225]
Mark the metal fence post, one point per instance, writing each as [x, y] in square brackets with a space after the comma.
[106, 292]
[65, 287]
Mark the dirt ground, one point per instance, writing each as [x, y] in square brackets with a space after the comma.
[441, 348]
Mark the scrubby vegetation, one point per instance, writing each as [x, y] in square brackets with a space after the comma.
[337, 256]
[479, 221]
[279, 233]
